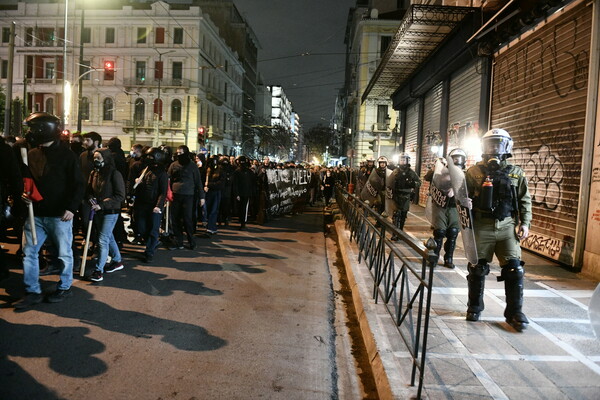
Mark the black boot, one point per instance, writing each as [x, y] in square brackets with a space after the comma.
[438, 236]
[512, 275]
[476, 285]
[449, 246]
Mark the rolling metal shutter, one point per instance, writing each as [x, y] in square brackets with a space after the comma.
[412, 127]
[463, 111]
[539, 96]
[431, 125]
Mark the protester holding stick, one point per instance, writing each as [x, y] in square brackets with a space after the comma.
[55, 170]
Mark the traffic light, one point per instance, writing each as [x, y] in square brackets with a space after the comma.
[201, 132]
[373, 145]
[109, 70]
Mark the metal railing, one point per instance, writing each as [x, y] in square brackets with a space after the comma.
[402, 273]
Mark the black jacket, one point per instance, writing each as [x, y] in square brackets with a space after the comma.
[152, 190]
[58, 177]
[185, 179]
[106, 185]
[244, 182]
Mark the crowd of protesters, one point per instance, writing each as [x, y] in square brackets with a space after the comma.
[167, 196]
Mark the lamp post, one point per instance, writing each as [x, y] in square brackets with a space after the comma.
[158, 100]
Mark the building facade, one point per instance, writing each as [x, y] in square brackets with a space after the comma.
[152, 74]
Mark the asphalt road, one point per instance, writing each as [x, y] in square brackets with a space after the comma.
[247, 315]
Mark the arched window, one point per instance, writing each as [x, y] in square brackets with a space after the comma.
[50, 105]
[140, 112]
[107, 109]
[176, 110]
[85, 108]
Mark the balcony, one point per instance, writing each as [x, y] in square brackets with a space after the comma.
[150, 124]
[164, 83]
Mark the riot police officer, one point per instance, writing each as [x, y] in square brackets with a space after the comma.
[502, 216]
[443, 209]
[406, 183]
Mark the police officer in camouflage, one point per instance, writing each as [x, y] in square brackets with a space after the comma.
[406, 184]
[502, 216]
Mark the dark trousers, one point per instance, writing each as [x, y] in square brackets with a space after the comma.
[213, 201]
[148, 225]
[224, 209]
[182, 211]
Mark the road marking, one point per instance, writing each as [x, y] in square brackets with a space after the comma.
[561, 293]
[495, 357]
[480, 373]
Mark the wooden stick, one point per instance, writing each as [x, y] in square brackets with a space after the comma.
[87, 242]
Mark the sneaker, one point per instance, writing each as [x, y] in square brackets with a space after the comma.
[211, 232]
[59, 295]
[96, 276]
[29, 300]
[50, 270]
[147, 258]
[113, 266]
[177, 247]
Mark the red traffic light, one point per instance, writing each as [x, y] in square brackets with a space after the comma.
[109, 65]
[201, 130]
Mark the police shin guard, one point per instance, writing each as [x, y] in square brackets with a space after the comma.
[512, 275]
[403, 215]
[449, 246]
[476, 285]
[438, 236]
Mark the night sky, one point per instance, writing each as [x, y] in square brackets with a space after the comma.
[288, 28]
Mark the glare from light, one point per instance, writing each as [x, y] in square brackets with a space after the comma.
[472, 146]
[67, 101]
[434, 149]
[396, 158]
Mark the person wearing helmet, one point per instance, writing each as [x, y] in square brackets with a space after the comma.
[502, 216]
[55, 170]
[444, 216]
[406, 184]
[363, 174]
[150, 196]
[374, 189]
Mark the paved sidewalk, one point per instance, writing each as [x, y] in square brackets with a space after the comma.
[557, 357]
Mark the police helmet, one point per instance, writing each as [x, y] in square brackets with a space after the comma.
[43, 128]
[156, 154]
[459, 157]
[382, 159]
[497, 143]
[403, 159]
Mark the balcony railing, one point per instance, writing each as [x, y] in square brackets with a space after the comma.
[164, 83]
[151, 124]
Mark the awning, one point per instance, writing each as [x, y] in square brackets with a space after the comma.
[422, 29]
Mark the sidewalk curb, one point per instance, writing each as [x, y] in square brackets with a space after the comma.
[381, 360]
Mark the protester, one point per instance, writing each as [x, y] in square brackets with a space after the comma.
[106, 191]
[244, 185]
[213, 186]
[56, 173]
[187, 190]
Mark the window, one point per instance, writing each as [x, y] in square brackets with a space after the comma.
[85, 67]
[4, 72]
[141, 35]
[177, 70]
[140, 71]
[178, 36]
[85, 108]
[159, 35]
[50, 105]
[5, 35]
[107, 109]
[49, 70]
[45, 37]
[382, 114]
[384, 44]
[109, 35]
[139, 110]
[86, 35]
[176, 110]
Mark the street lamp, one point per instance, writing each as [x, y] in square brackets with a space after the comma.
[158, 100]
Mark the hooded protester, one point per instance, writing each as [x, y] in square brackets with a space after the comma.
[213, 186]
[150, 196]
[244, 185]
[106, 192]
[186, 187]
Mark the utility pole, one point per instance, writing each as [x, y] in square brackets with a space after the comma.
[80, 83]
[64, 72]
[9, 80]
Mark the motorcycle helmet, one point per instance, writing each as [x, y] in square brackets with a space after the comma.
[43, 128]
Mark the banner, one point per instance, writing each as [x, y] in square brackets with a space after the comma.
[287, 190]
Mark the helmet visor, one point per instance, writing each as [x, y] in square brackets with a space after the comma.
[495, 146]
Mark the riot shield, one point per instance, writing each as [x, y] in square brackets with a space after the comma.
[465, 216]
[390, 204]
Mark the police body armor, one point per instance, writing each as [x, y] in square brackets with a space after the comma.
[404, 184]
[504, 200]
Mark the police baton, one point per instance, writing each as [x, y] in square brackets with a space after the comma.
[87, 238]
